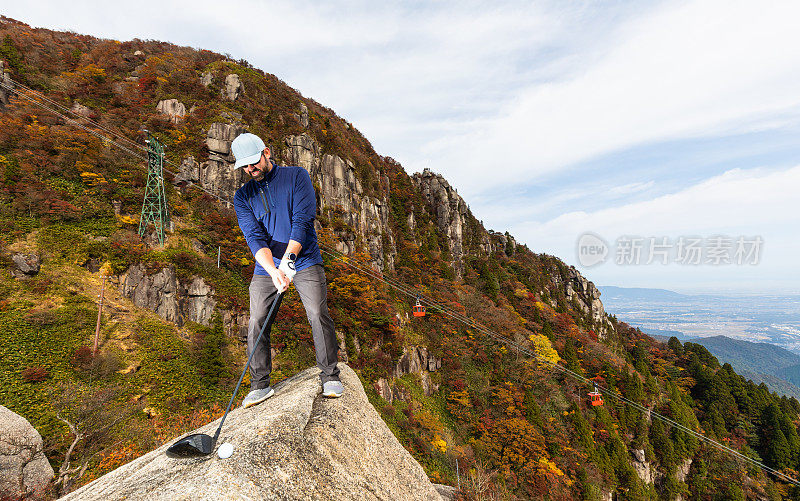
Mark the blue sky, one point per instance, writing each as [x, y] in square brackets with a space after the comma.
[550, 118]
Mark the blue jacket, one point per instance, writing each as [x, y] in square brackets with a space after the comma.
[280, 207]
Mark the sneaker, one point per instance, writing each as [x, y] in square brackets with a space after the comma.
[332, 389]
[257, 396]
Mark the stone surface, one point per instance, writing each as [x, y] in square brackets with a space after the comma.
[169, 298]
[582, 292]
[295, 446]
[354, 214]
[24, 469]
[81, 110]
[446, 491]
[6, 86]
[25, 265]
[188, 172]
[233, 87]
[683, 470]
[643, 469]
[451, 213]
[174, 109]
[414, 360]
[303, 116]
[218, 174]
[206, 79]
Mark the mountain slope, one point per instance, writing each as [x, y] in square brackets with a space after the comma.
[761, 362]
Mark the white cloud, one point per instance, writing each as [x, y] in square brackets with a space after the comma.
[686, 70]
[739, 202]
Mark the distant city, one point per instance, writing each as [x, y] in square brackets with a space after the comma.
[773, 319]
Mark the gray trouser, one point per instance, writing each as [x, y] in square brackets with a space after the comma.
[312, 288]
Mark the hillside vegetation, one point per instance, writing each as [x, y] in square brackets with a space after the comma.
[518, 429]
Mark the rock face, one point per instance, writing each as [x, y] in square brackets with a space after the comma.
[414, 360]
[167, 296]
[302, 117]
[642, 467]
[172, 108]
[6, 86]
[356, 215]
[188, 172]
[450, 211]
[233, 87]
[24, 469]
[584, 294]
[81, 110]
[452, 215]
[25, 265]
[217, 174]
[296, 445]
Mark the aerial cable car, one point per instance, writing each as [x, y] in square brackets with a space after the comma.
[418, 310]
[595, 397]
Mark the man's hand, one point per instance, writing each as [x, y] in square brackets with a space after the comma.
[279, 279]
[287, 266]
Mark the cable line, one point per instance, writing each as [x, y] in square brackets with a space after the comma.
[407, 290]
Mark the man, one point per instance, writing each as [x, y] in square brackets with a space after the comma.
[276, 211]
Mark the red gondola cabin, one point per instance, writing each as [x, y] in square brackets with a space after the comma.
[595, 398]
[418, 310]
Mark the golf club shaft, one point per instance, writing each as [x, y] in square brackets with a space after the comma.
[267, 324]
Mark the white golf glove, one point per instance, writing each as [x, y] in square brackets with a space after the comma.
[287, 267]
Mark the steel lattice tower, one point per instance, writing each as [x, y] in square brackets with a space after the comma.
[154, 208]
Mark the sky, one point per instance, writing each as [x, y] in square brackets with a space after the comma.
[629, 121]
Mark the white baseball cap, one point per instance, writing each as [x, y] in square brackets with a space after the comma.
[247, 149]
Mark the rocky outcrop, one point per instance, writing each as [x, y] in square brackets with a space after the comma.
[218, 174]
[302, 117]
[188, 172]
[170, 298]
[25, 265]
[642, 467]
[24, 469]
[360, 221]
[297, 445]
[451, 214]
[233, 87]
[174, 109]
[449, 209]
[585, 293]
[683, 470]
[6, 86]
[579, 291]
[79, 109]
[206, 79]
[414, 360]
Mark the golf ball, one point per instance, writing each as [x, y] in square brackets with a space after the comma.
[225, 450]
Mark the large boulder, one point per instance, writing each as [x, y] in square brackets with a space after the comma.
[172, 108]
[25, 265]
[24, 469]
[233, 87]
[296, 445]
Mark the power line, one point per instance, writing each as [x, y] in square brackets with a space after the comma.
[446, 310]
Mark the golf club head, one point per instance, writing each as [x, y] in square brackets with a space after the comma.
[198, 444]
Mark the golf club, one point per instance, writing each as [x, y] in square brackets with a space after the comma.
[200, 444]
